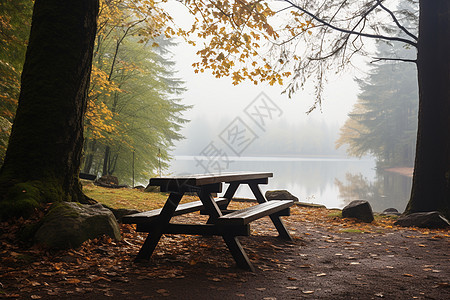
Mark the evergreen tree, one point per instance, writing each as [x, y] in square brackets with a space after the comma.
[384, 119]
[144, 105]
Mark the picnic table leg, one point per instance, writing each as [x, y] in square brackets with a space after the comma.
[279, 225]
[231, 190]
[164, 217]
[238, 252]
[210, 205]
[232, 242]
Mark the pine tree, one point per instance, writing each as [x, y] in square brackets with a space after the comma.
[384, 119]
[145, 109]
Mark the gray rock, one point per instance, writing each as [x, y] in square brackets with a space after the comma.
[359, 209]
[432, 219]
[69, 224]
[152, 189]
[280, 195]
[119, 213]
[391, 211]
[311, 205]
[108, 179]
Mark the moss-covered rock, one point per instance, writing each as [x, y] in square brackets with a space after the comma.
[69, 224]
[21, 200]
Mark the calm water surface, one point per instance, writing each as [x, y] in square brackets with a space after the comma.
[333, 182]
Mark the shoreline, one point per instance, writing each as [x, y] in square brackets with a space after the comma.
[404, 171]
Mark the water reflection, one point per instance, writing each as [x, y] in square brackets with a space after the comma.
[309, 179]
[387, 190]
[333, 182]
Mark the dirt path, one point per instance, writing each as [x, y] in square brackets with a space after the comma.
[331, 258]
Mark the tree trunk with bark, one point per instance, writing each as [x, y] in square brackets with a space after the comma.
[431, 181]
[43, 158]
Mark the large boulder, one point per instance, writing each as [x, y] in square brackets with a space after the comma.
[432, 219]
[280, 195]
[69, 224]
[359, 209]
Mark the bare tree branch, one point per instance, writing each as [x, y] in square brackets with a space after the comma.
[377, 59]
[368, 35]
[396, 21]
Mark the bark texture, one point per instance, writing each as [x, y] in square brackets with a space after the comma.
[43, 157]
[431, 181]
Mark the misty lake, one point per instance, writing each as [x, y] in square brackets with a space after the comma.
[333, 182]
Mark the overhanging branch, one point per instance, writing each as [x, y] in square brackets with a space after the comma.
[396, 20]
[377, 59]
[368, 35]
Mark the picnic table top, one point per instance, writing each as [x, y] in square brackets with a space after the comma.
[204, 179]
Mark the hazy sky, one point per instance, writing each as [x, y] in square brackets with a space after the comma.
[215, 99]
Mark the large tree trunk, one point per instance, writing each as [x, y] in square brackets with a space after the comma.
[431, 181]
[43, 157]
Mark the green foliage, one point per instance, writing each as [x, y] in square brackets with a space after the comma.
[146, 112]
[15, 21]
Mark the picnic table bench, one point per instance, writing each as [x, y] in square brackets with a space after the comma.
[223, 222]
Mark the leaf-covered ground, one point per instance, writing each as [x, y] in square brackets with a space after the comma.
[330, 258]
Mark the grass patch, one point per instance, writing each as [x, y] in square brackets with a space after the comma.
[128, 198]
[335, 214]
[352, 230]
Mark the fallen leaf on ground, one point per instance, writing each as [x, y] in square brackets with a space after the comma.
[305, 266]
[292, 278]
[73, 280]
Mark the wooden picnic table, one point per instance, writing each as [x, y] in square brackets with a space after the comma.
[223, 222]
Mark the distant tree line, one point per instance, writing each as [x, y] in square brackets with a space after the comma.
[307, 138]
